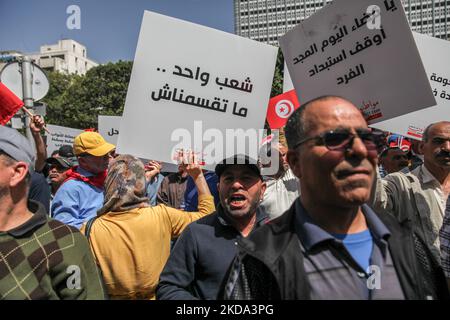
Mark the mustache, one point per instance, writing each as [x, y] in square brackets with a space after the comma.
[443, 154]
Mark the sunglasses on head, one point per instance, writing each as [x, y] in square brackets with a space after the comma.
[342, 139]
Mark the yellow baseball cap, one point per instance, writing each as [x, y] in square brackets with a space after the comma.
[91, 143]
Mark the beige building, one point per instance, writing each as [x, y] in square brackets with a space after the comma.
[67, 56]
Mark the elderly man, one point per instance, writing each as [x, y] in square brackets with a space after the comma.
[329, 244]
[40, 258]
[79, 198]
[199, 261]
[420, 197]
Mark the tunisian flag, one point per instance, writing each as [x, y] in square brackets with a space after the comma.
[9, 104]
[280, 108]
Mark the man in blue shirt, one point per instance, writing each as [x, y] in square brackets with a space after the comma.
[329, 244]
[78, 199]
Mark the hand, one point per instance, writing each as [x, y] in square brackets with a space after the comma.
[190, 164]
[37, 123]
[152, 169]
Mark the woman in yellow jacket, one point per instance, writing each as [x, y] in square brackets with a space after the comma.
[131, 240]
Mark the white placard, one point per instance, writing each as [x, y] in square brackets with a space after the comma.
[363, 51]
[435, 55]
[108, 127]
[60, 136]
[190, 84]
[287, 81]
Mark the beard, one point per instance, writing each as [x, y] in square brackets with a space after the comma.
[247, 211]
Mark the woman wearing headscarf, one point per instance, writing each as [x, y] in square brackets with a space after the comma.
[131, 240]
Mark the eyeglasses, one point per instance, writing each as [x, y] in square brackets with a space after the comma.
[340, 140]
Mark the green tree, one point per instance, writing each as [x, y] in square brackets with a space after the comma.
[59, 84]
[277, 85]
[76, 101]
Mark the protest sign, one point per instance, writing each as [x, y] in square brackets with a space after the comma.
[435, 55]
[108, 127]
[287, 81]
[60, 136]
[191, 88]
[363, 51]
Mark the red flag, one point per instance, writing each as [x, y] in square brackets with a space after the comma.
[9, 104]
[280, 108]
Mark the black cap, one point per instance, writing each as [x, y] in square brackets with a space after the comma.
[66, 151]
[62, 162]
[238, 159]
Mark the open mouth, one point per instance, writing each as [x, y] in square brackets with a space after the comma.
[237, 201]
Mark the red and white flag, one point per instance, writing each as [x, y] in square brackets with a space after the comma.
[9, 104]
[280, 108]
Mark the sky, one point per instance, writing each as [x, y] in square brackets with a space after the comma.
[109, 28]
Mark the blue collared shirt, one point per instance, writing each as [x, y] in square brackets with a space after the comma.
[76, 201]
[334, 274]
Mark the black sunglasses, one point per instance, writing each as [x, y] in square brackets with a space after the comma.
[340, 140]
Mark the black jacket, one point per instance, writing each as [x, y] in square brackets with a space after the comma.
[201, 257]
[270, 264]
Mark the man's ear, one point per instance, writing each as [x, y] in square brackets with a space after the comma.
[293, 158]
[421, 147]
[19, 174]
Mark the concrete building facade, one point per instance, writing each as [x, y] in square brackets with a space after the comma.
[67, 56]
[266, 20]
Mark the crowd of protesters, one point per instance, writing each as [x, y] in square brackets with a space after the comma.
[350, 213]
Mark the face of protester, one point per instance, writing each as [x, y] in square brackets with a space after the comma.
[94, 164]
[283, 159]
[395, 160]
[57, 174]
[436, 149]
[240, 191]
[332, 177]
[282, 164]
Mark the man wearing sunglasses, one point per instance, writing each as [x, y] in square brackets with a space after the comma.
[329, 244]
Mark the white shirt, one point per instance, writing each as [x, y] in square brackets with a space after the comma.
[280, 193]
[429, 179]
